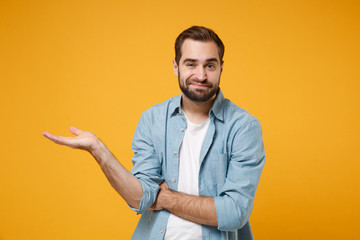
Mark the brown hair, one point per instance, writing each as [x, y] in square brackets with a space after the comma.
[200, 34]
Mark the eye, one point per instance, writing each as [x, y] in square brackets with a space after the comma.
[211, 66]
[190, 65]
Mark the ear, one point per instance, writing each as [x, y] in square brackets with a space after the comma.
[222, 66]
[175, 67]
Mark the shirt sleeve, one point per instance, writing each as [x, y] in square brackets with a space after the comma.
[247, 156]
[147, 165]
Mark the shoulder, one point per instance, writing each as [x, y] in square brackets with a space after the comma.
[237, 116]
[161, 110]
[244, 133]
[153, 120]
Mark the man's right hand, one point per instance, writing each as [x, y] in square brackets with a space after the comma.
[83, 140]
[126, 184]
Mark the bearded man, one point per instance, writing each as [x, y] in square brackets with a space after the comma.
[197, 156]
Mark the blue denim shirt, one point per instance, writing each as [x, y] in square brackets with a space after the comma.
[231, 161]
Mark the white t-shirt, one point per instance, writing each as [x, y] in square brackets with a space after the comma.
[188, 181]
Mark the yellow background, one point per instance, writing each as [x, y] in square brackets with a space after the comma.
[98, 64]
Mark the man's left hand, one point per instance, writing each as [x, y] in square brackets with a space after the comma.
[161, 197]
[193, 208]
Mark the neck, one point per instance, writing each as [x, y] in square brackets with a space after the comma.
[197, 112]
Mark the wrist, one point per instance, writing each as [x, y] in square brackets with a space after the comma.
[97, 149]
[168, 199]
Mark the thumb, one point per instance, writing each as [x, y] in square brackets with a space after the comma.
[75, 131]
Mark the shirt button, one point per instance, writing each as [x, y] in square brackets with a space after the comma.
[182, 130]
[175, 152]
[161, 230]
[174, 179]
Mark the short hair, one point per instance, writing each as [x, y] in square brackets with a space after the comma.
[198, 33]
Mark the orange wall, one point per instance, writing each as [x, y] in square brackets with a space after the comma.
[98, 64]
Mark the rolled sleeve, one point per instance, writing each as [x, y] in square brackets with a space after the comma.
[147, 165]
[247, 156]
[147, 199]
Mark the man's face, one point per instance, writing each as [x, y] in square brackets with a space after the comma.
[199, 70]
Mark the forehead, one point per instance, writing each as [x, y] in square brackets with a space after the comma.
[199, 50]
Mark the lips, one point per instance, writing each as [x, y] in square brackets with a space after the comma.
[200, 85]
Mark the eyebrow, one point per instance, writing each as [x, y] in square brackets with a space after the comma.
[195, 60]
[212, 60]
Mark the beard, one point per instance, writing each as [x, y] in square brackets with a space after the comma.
[198, 95]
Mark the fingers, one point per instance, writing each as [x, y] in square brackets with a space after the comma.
[155, 207]
[45, 134]
[49, 136]
[68, 141]
[56, 139]
[83, 140]
[164, 186]
[59, 139]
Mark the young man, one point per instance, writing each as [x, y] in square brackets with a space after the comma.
[197, 157]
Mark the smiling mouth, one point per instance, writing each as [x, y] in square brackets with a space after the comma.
[199, 85]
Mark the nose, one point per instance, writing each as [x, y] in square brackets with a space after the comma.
[201, 73]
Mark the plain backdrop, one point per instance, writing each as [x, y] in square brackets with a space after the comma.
[98, 65]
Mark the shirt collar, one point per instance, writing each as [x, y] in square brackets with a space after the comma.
[217, 109]
[175, 105]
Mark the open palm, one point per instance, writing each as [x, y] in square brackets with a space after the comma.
[83, 140]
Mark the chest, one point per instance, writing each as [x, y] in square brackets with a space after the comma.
[213, 162]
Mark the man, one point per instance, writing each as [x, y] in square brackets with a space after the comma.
[197, 157]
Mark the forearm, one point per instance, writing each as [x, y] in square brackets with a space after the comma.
[126, 184]
[197, 209]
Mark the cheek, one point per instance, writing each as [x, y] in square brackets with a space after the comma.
[184, 74]
[214, 76]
